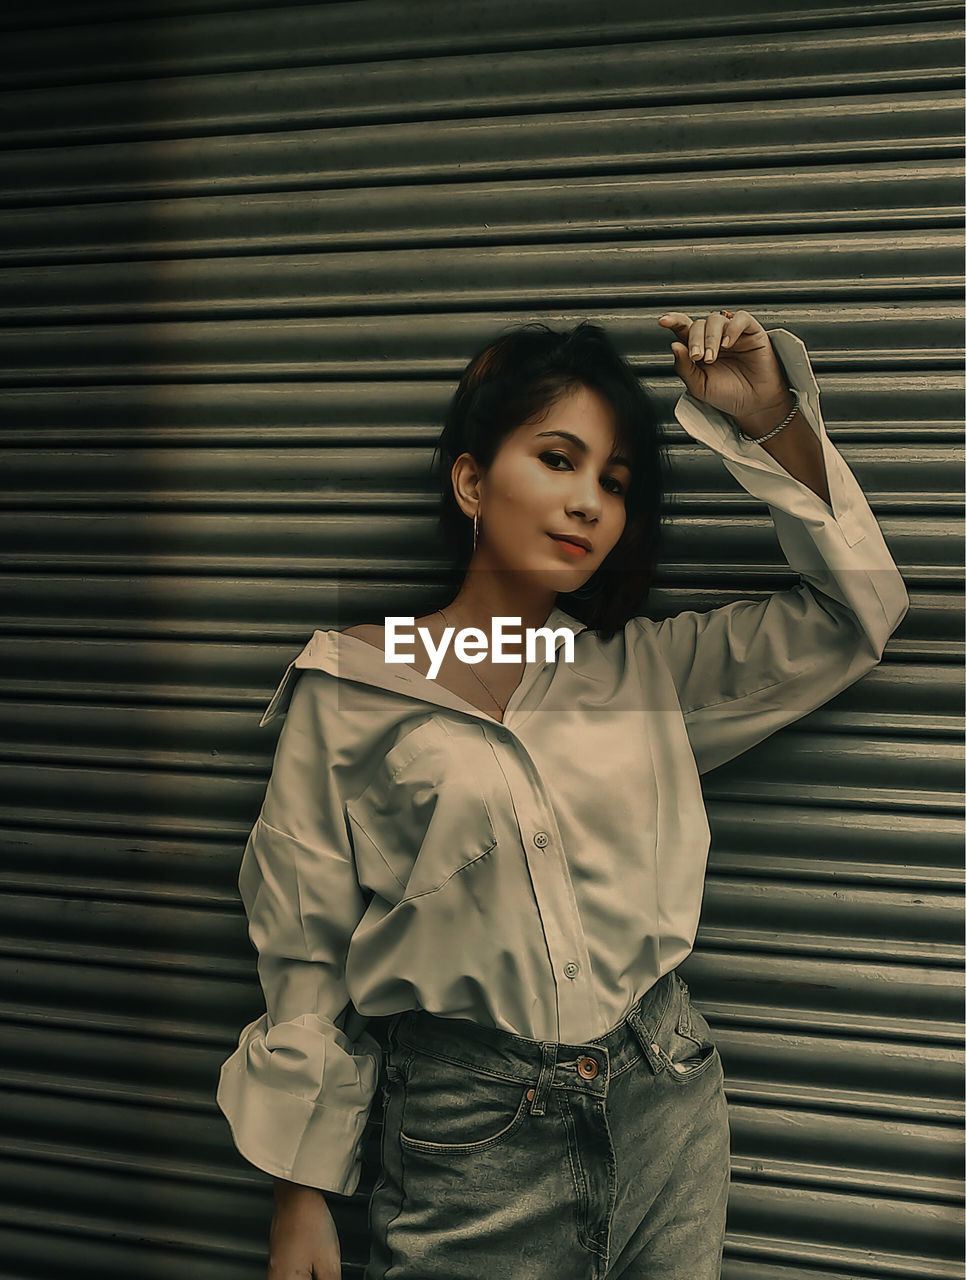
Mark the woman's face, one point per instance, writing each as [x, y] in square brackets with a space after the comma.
[555, 476]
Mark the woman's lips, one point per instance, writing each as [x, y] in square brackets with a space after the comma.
[572, 548]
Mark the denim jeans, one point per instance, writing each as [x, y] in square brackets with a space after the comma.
[508, 1157]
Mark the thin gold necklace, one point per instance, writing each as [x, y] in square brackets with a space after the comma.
[476, 673]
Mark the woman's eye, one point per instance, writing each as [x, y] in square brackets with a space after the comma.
[550, 456]
[560, 457]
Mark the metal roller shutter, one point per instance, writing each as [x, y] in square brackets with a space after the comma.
[245, 251]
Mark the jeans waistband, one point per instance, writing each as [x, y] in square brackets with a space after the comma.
[588, 1067]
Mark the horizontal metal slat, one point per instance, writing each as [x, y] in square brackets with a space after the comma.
[761, 991]
[188, 791]
[841, 846]
[148, 936]
[916, 926]
[59, 1244]
[814, 1072]
[816, 200]
[379, 371]
[775, 843]
[847, 1153]
[699, 136]
[860, 998]
[916, 56]
[863, 265]
[870, 1236]
[897, 696]
[159, 672]
[175, 801]
[177, 1006]
[742, 548]
[197, 873]
[287, 608]
[169, 1205]
[840, 1074]
[161, 731]
[754, 1268]
[161, 1073]
[813, 768]
[853, 1154]
[406, 400]
[330, 477]
[149, 43]
[821, 1073]
[865, 1231]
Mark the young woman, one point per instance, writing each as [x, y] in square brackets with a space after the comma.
[507, 857]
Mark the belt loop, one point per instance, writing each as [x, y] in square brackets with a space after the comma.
[655, 1055]
[539, 1105]
[652, 1050]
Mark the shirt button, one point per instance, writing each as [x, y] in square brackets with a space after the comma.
[541, 839]
[571, 969]
[588, 1067]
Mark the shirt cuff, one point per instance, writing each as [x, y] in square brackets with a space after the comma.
[837, 546]
[270, 1089]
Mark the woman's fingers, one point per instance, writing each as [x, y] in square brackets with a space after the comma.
[739, 323]
[678, 322]
[691, 374]
[707, 336]
[714, 328]
[695, 340]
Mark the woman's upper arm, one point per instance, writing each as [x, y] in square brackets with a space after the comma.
[746, 669]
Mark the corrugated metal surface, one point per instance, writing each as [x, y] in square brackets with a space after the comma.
[244, 254]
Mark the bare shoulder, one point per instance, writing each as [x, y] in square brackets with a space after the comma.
[371, 632]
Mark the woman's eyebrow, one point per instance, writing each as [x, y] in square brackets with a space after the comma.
[615, 459]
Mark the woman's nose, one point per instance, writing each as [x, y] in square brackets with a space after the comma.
[585, 500]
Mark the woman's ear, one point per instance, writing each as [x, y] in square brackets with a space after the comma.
[467, 481]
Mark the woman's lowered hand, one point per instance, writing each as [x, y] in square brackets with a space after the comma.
[304, 1243]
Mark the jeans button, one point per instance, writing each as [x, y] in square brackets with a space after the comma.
[587, 1067]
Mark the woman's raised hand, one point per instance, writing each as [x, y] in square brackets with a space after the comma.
[727, 360]
[304, 1243]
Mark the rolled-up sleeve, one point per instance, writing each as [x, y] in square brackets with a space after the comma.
[748, 668]
[298, 1089]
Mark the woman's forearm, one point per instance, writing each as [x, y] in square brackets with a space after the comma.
[796, 448]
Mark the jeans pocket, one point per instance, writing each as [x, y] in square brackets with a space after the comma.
[450, 1109]
[685, 1039]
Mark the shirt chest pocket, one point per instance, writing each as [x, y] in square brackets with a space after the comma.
[424, 816]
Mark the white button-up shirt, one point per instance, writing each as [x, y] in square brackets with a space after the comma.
[537, 875]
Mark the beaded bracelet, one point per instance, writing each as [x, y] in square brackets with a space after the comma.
[775, 430]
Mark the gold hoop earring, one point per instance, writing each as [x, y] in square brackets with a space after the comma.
[476, 528]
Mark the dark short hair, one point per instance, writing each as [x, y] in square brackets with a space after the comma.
[513, 380]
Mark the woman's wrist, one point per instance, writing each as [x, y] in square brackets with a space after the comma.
[288, 1191]
[767, 417]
